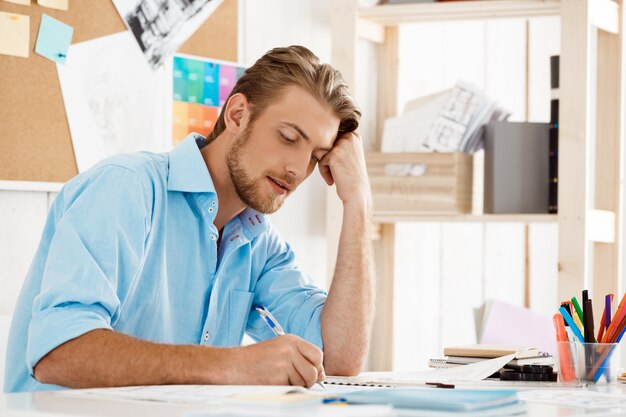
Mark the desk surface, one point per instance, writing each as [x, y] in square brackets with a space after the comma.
[51, 404]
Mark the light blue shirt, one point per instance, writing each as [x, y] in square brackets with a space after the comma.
[130, 245]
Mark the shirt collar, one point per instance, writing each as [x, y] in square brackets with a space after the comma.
[188, 171]
[253, 222]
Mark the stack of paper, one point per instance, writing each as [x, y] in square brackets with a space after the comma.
[450, 121]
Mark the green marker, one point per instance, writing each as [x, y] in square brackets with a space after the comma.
[579, 311]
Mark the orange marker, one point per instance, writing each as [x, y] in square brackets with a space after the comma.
[565, 355]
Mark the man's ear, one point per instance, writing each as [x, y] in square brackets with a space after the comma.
[237, 113]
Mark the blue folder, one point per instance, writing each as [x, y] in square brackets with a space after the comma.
[435, 398]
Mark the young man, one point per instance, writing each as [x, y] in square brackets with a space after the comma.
[149, 264]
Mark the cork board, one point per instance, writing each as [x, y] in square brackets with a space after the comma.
[35, 142]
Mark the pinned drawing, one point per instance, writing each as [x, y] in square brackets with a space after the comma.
[114, 102]
[160, 27]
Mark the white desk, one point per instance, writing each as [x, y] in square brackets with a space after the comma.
[51, 404]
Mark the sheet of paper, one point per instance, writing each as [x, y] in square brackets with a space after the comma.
[507, 324]
[466, 373]
[14, 34]
[54, 4]
[219, 400]
[114, 102]
[473, 372]
[187, 394]
[317, 411]
[54, 39]
[160, 28]
[20, 2]
[575, 398]
[407, 133]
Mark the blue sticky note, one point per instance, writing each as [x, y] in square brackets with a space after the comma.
[54, 39]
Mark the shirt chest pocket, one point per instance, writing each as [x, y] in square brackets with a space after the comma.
[239, 304]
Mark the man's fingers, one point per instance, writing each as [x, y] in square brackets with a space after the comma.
[307, 371]
[312, 354]
[326, 174]
[295, 378]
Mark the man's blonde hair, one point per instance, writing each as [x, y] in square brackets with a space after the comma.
[293, 65]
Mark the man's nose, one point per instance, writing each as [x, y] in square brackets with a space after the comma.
[297, 168]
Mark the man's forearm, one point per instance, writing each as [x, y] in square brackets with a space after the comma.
[348, 312]
[104, 358]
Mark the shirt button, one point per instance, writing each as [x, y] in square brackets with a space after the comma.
[212, 237]
[210, 209]
[206, 336]
[212, 203]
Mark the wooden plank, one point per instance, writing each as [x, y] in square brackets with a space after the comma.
[343, 57]
[31, 186]
[387, 82]
[391, 15]
[608, 159]
[394, 217]
[381, 343]
[604, 14]
[371, 31]
[574, 132]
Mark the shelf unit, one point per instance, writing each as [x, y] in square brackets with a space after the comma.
[590, 143]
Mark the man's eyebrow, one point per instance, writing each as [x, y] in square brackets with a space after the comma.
[304, 135]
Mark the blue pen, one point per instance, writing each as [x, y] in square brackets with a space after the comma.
[270, 320]
[568, 319]
[274, 325]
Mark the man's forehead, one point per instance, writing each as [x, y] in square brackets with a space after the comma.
[298, 109]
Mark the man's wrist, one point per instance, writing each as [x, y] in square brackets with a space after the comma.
[357, 206]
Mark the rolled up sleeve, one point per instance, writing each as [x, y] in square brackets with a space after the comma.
[289, 293]
[95, 251]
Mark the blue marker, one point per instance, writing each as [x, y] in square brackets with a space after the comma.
[568, 319]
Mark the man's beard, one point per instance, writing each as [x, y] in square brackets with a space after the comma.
[248, 190]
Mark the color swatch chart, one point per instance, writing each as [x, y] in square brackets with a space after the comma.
[201, 88]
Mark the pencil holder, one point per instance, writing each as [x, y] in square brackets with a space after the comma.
[594, 363]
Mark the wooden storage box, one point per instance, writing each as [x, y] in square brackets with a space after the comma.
[420, 183]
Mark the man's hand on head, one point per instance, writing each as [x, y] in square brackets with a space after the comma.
[344, 166]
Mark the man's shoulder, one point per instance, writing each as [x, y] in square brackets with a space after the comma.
[139, 162]
[145, 167]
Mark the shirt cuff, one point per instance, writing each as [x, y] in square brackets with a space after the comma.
[311, 330]
[52, 327]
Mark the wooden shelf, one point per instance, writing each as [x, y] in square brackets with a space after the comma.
[392, 15]
[54, 187]
[389, 217]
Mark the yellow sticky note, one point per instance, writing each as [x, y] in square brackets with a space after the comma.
[54, 4]
[20, 2]
[14, 34]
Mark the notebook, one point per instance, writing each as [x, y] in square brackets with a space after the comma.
[458, 400]
[491, 351]
[451, 361]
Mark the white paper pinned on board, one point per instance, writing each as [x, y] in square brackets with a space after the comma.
[113, 100]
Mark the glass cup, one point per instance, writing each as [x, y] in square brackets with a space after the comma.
[594, 363]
